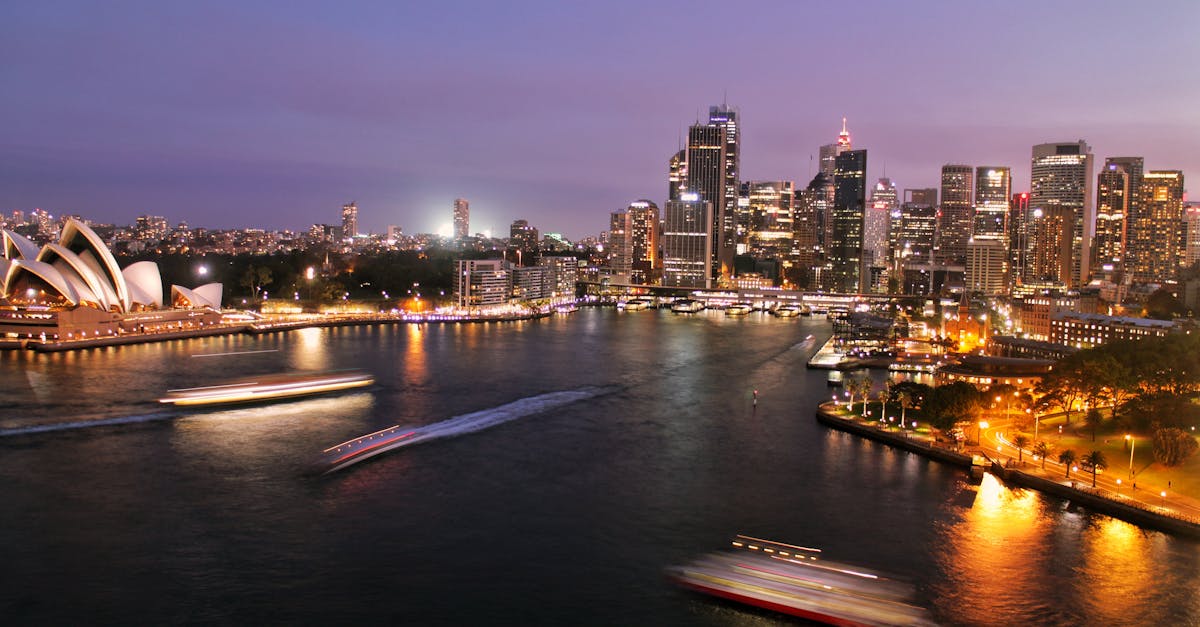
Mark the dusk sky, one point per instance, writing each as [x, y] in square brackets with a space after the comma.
[275, 114]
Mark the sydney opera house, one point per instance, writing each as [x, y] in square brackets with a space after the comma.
[74, 289]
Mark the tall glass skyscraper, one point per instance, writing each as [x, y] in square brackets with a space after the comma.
[712, 172]
[1061, 187]
[849, 204]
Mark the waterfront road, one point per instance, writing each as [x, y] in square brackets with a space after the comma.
[996, 446]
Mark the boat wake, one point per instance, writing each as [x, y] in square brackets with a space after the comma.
[86, 424]
[365, 447]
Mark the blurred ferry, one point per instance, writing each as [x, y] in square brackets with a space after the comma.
[269, 388]
[796, 580]
[687, 305]
[739, 309]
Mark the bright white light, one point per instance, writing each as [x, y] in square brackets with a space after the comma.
[446, 230]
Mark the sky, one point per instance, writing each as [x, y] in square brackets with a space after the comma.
[275, 114]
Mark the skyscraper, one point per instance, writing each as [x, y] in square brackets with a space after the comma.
[770, 233]
[956, 214]
[620, 247]
[1158, 247]
[1117, 188]
[644, 241]
[524, 239]
[677, 175]
[829, 152]
[849, 204]
[913, 229]
[350, 221]
[1061, 177]
[877, 222]
[712, 172]
[462, 218]
[687, 242]
[993, 193]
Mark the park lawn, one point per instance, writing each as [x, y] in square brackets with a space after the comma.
[1185, 479]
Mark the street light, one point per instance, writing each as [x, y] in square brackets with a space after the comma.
[983, 424]
[1132, 443]
[1118, 486]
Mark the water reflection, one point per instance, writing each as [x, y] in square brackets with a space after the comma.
[310, 349]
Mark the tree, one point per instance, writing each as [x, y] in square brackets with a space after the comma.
[1173, 446]
[1066, 458]
[1042, 450]
[1093, 419]
[1021, 441]
[255, 279]
[956, 402]
[1097, 461]
[905, 398]
[1162, 305]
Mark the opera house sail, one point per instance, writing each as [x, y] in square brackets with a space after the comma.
[73, 289]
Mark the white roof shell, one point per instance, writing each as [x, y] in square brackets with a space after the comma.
[144, 283]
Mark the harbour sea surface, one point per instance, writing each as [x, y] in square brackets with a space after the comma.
[526, 508]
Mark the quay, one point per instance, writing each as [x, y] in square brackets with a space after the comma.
[1180, 520]
[256, 327]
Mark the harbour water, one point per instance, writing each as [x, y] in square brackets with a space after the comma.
[524, 509]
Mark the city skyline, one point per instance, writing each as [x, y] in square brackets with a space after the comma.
[197, 114]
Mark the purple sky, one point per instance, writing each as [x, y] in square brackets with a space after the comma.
[275, 114]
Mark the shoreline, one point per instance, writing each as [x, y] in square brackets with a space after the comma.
[1096, 500]
[251, 328]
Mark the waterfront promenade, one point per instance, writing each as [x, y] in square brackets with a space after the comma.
[1152, 506]
[266, 324]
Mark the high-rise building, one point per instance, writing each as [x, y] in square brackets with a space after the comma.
[712, 172]
[987, 260]
[1061, 178]
[993, 193]
[1157, 249]
[1018, 219]
[687, 242]
[523, 239]
[810, 211]
[1191, 253]
[482, 282]
[350, 221]
[829, 152]
[913, 227]
[644, 242]
[677, 175]
[877, 223]
[620, 246]
[462, 218]
[849, 203]
[1117, 198]
[770, 218]
[955, 215]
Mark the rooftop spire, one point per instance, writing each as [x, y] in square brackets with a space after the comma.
[844, 136]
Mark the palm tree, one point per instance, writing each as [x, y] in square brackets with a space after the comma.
[1066, 458]
[1097, 461]
[1021, 441]
[1042, 450]
[904, 397]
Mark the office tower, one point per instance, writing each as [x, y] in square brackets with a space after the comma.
[1117, 188]
[1018, 219]
[770, 219]
[913, 227]
[809, 217]
[1048, 245]
[1061, 177]
[350, 221]
[849, 202]
[923, 196]
[523, 239]
[619, 247]
[993, 194]
[687, 242]
[1191, 254]
[677, 175]
[877, 223]
[955, 215]
[987, 260]
[829, 152]
[394, 232]
[462, 218]
[712, 172]
[1156, 250]
[644, 225]
[482, 282]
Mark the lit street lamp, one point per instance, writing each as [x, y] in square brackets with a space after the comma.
[1132, 443]
[983, 424]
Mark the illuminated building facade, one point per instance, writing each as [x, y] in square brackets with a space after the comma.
[644, 242]
[1191, 253]
[712, 172]
[877, 223]
[1083, 330]
[687, 242]
[1061, 177]
[993, 193]
[350, 221]
[955, 214]
[771, 233]
[1157, 245]
[462, 218]
[481, 282]
[849, 203]
[620, 248]
[677, 175]
[523, 238]
[1018, 235]
[1117, 194]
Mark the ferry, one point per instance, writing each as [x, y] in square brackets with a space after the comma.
[635, 304]
[786, 311]
[738, 309]
[362, 448]
[798, 581]
[568, 308]
[687, 305]
[271, 387]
